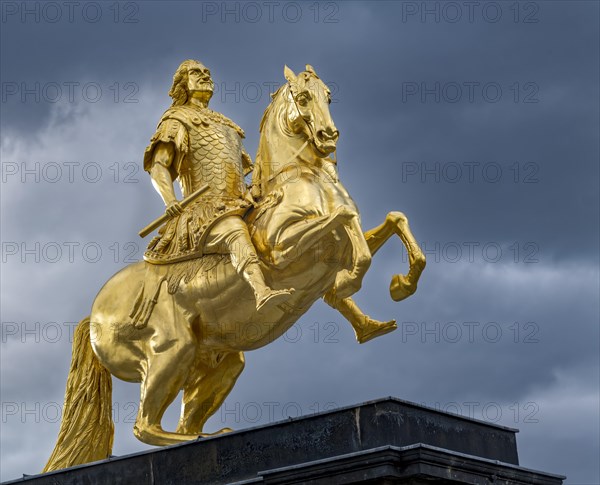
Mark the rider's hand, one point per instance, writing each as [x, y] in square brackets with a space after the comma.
[249, 199]
[174, 208]
[255, 192]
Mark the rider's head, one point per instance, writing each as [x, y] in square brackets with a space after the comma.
[192, 79]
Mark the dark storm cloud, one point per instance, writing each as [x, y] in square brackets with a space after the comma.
[501, 188]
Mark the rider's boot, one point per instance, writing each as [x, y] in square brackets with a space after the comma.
[262, 292]
[365, 327]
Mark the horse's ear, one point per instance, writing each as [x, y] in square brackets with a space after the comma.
[289, 74]
[310, 69]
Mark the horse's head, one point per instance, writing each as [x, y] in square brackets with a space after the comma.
[308, 110]
[296, 128]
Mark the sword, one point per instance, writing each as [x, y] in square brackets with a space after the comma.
[156, 223]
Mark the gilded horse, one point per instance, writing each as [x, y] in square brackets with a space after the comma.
[306, 228]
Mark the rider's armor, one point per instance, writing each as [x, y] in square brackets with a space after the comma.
[208, 150]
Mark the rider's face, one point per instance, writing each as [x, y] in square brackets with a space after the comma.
[200, 82]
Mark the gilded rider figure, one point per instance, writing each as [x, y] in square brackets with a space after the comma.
[196, 145]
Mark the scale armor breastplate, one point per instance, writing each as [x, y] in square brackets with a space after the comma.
[214, 158]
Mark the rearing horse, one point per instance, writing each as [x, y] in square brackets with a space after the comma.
[307, 231]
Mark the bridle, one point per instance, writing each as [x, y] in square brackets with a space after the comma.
[309, 139]
[311, 130]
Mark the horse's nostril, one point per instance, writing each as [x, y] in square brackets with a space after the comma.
[327, 134]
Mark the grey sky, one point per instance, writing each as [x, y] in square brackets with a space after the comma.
[482, 129]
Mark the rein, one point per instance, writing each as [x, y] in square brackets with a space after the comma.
[293, 156]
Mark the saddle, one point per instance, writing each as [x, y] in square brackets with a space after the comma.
[172, 274]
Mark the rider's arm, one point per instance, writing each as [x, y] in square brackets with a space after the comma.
[162, 159]
[164, 154]
[247, 164]
[248, 167]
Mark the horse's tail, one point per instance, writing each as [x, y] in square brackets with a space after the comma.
[86, 431]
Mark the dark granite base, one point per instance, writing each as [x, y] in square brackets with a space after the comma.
[378, 442]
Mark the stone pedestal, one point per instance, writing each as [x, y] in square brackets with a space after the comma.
[377, 442]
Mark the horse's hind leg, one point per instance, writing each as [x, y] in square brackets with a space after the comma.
[170, 353]
[206, 390]
[164, 378]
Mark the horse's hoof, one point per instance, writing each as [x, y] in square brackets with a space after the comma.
[400, 288]
[216, 433]
[374, 328]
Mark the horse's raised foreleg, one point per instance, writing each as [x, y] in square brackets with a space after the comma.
[348, 282]
[205, 391]
[301, 235]
[365, 327]
[402, 286]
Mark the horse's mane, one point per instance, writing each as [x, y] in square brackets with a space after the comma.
[275, 97]
[259, 161]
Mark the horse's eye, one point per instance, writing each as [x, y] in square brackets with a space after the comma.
[302, 100]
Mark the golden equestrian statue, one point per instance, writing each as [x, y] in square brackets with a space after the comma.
[232, 268]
